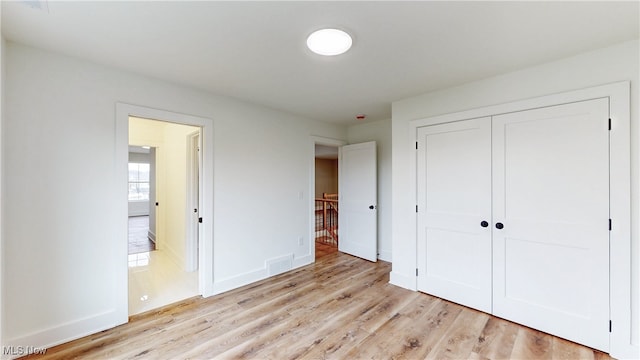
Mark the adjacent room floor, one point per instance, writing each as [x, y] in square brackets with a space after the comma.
[155, 279]
[323, 248]
[138, 235]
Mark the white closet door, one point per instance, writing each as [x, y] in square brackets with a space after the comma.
[454, 202]
[551, 194]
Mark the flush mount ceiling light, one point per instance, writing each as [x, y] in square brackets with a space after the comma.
[329, 42]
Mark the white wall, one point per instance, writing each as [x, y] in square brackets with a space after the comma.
[138, 207]
[140, 157]
[326, 177]
[380, 132]
[174, 163]
[58, 280]
[612, 64]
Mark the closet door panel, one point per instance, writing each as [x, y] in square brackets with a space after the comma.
[551, 194]
[454, 198]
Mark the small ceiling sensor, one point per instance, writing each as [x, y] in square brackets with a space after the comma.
[329, 42]
[361, 116]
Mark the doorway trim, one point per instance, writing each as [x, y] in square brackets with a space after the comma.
[316, 140]
[205, 241]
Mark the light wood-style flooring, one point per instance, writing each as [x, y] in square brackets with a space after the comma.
[341, 307]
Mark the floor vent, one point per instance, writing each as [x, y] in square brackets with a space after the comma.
[279, 265]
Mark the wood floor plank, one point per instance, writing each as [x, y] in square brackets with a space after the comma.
[462, 335]
[401, 336]
[532, 344]
[438, 324]
[496, 339]
[340, 307]
[359, 325]
[566, 350]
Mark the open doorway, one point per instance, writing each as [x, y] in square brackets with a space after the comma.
[326, 204]
[357, 205]
[141, 199]
[167, 273]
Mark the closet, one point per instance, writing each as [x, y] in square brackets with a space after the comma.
[513, 216]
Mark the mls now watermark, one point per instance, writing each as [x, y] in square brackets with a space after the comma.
[23, 350]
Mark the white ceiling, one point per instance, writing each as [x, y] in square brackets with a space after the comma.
[256, 50]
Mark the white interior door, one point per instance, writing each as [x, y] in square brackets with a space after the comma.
[551, 220]
[454, 211]
[357, 212]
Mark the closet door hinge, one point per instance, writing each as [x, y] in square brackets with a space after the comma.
[610, 326]
[610, 226]
[609, 124]
[416, 208]
[416, 145]
[416, 271]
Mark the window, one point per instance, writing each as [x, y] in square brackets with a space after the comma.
[138, 181]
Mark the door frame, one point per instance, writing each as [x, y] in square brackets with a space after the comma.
[620, 338]
[316, 140]
[205, 242]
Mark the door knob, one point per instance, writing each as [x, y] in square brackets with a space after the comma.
[484, 224]
[499, 226]
[371, 207]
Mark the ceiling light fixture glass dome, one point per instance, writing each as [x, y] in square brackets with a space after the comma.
[329, 42]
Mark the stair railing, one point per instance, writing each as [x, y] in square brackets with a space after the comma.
[329, 215]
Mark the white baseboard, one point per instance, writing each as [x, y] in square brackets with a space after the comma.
[303, 261]
[237, 281]
[627, 351]
[249, 277]
[151, 236]
[56, 335]
[385, 256]
[407, 282]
